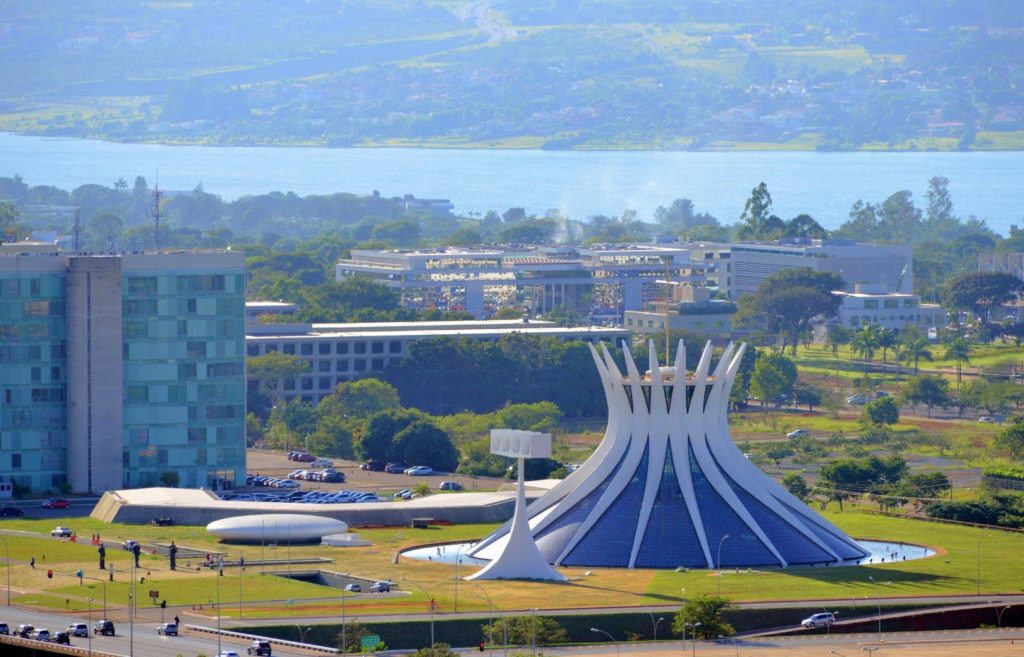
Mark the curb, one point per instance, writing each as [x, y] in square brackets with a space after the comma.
[281, 642]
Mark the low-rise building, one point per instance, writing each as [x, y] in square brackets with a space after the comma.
[691, 309]
[875, 304]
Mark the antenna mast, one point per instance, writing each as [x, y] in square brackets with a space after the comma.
[76, 241]
[157, 194]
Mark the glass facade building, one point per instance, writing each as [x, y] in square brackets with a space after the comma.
[122, 371]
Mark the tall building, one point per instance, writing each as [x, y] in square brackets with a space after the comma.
[667, 487]
[122, 370]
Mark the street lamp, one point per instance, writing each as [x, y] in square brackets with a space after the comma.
[490, 617]
[344, 625]
[431, 602]
[999, 616]
[7, 548]
[302, 633]
[88, 630]
[456, 604]
[220, 571]
[104, 583]
[610, 638]
[693, 635]
[655, 624]
[879, 597]
[719, 560]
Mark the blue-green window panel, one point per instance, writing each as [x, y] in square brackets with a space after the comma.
[144, 415]
[150, 372]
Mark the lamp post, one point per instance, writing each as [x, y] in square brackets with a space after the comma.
[104, 583]
[719, 560]
[7, 548]
[610, 638]
[431, 602]
[88, 631]
[655, 624]
[220, 568]
[693, 634]
[999, 616]
[131, 616]
[456, 604]
[241, 570]
[879, 598]
[490, 617]
[344, 626]
[302, 633]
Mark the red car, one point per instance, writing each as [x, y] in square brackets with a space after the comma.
[57, 503]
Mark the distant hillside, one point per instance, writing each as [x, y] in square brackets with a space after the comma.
[560, 74]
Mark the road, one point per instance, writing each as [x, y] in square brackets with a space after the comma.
[147, 643]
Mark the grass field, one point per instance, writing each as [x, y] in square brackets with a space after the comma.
[953, 571]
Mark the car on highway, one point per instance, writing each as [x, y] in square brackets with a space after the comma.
[40, 634]
[354, 588]
[57, 503]
[61, 638]
[11, 512]
[78, 629]
[104, 627]
[259, 648]
[798, 433]
[24, 630]
[380, 587]
[229, 653]
[451, 485]
[4, 629]
[61, 531]
[167, 629]
[420, 471]
[819, 620]
[856, 400]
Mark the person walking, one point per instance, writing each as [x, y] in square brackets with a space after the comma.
[102, 551]
[32, 563]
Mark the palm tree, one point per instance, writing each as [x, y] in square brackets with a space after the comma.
[864, 343]
[960, 351]
[914, 350]
[836, 336]
[887, 341]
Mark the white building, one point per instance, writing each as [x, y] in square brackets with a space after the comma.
[874, 304]
[692, 309]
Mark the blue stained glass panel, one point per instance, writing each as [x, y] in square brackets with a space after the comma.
[670, 539]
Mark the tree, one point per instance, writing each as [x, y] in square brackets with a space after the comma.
[884, 411]
[925, 484]
[930, 390]
[377, 442]
[8, 222]
[773, 378]
[865, 341]
[358, 400]
[836, 336]
[424, 443]
[271, 370]
[808, 393]
[352, 636]
[886, 340]
[756, 214]
[790, 303]
[707, 610]
[796, 485]
[912, 350]
[524, 630]
[1011, 440]
[958, 350]
[979, 292]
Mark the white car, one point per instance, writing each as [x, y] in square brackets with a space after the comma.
[60, 531]
[229, 653]
[819, 620]
[288, 483]
[323, 463]
[798, 433]
[420, 471]
[857, 400]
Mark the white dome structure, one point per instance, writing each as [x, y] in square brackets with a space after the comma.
[667, 486]
[275, 527]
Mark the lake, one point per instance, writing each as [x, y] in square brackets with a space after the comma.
[581, 184]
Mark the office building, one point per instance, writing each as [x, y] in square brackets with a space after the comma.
[875, 304]
[122, 370]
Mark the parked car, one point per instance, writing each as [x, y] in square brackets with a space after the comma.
[61, 531]
[354, 588]
[404, 494]
[880, 393]
[57, 503]
[332, 477]
[303, 457]
[167, 629]
[857, 400]
[78, 629]
[104, 627]
[420, 471]
[798, 433]
[373, 466]
[287, 483]
[11, 512]
[24, 630]
[323, 463]
[259, 648]
[819, 620]
[380, 587]
[41, 634]
[61, 638]
[394, 468]
[451, 485]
